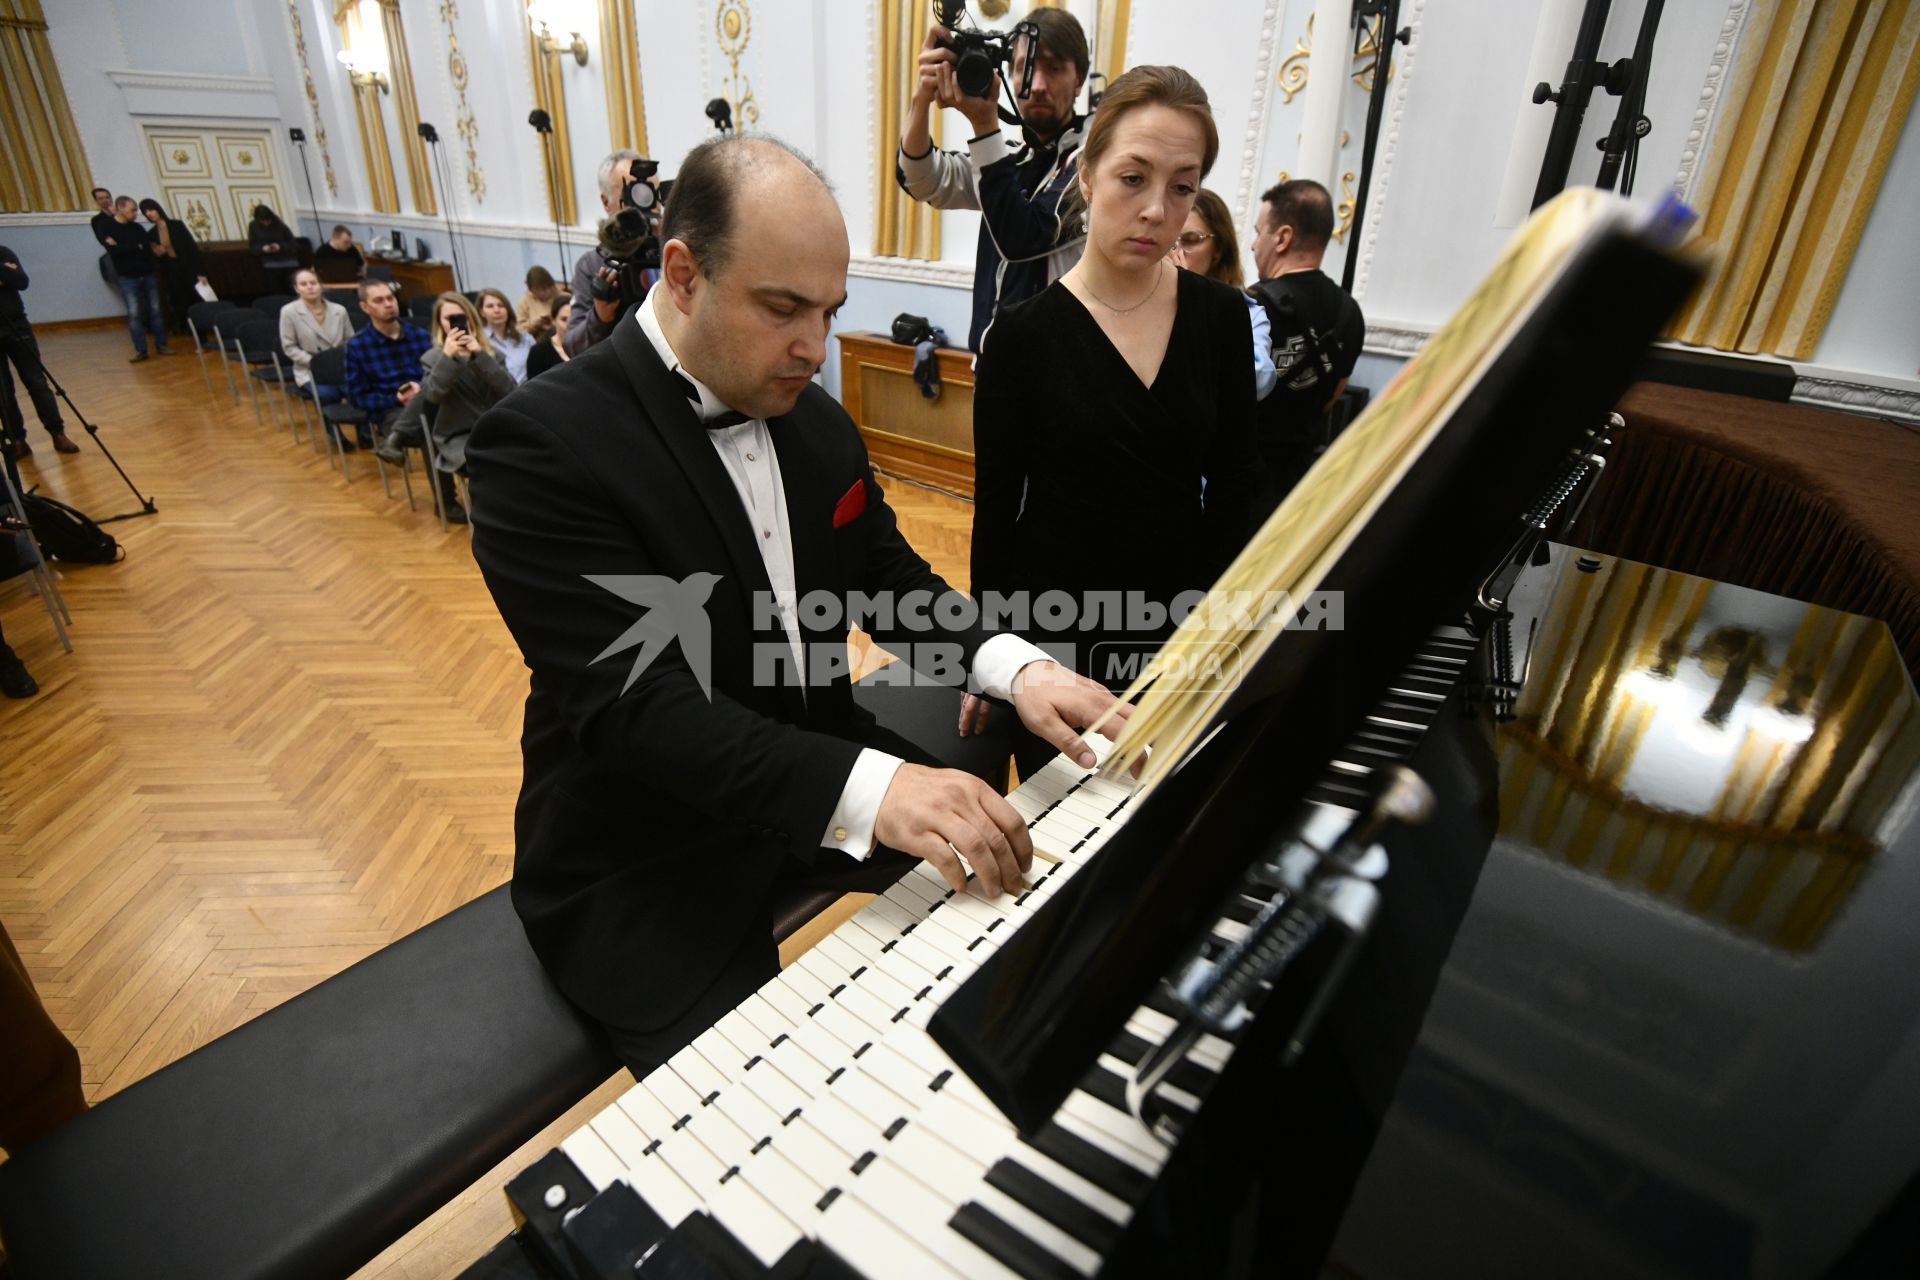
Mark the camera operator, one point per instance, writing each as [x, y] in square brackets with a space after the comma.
[1019, 185]
[596, 308]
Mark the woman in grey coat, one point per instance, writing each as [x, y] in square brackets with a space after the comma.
[462, 378]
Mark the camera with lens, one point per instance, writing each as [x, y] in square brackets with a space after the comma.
[630, 239]
[978, 54]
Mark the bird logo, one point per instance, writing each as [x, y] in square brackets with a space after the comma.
[672, 609]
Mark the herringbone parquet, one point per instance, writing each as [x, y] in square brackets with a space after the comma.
[287, 734]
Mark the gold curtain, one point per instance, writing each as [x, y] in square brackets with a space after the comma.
[1110, 39]
[400, 71]
[43, 167]
[902, 226]
[550, 95]
[620, 65]
[1795, 165]
[381, 192]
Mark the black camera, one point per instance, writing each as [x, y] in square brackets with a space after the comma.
[978, 54]
[630, 239]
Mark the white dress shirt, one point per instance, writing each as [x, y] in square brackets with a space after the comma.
[747, 452]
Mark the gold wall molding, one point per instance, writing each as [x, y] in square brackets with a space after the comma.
[902, 226]
[1111, 18]
[620, 69]
[1811, 113]
[463, 121]
[1343, 209]
[733, 27]
[550, 95]
[1293, 68]
[367, 87]
[43, 166]
[313, 98]
[407, 106]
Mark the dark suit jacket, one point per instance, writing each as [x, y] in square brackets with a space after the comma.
[652, 823]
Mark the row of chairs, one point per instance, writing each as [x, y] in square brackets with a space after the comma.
[247, 340]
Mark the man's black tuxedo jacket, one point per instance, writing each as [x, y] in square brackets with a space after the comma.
[652, 823]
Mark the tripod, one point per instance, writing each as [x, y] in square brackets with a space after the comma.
[146, 504]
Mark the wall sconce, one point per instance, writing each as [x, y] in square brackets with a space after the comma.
[362, 76]
[548, 17]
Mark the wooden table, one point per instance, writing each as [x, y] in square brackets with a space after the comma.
[926, 440]
[413, 279]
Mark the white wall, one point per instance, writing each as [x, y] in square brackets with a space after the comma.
[1459, 122]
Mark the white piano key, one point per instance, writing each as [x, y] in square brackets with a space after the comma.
[742, 1032]
[927, 953]
[895, 916]
[786, 1187]
[946, 1169]
[809, 988]
[675, 1094]
[818, 1039]
[891, 1191]
[974, 909]
[697, 1164]
[868, 1096]
[647, 1112]
[664, 1190]
[874, 1246]
[745, 1108]
[869, 1008]
[1116, 1126]
[1037, 1229]
[829, 971]
[889, 987]
[959, 1126]
[1096, 1198]
[594, 1158]
[701, 1076]
[783, 999]
[764, 1230]
[839, 1017]
[907, 1080]
[622, 1136]
[834, 947]
[769, 1084]
[843, 1126]
[1171, 1092]
[799, 1066]
[721, 1053]
[809, 1151]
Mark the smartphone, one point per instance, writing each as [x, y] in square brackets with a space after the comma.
[457, 322]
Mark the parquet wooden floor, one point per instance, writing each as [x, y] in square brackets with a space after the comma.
[287, 735]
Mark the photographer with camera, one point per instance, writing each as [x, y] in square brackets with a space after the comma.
[616, 273]
[1019, 185]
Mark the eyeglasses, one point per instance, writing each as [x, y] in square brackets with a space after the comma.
[1189, 241]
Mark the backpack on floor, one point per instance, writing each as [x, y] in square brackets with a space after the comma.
[66, 534]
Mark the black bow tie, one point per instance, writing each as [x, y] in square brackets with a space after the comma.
[729, 418]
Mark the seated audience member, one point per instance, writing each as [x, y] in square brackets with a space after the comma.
[309, 325]
[339, 260]
[139, 273]
[1317, 330]
[536, 303]
[549, 349]
[463, 378]
[1208, 246]
[21, 350]
[508, 340]
[1121, 392]
[383, 359]
[178, 255]
[275, 244]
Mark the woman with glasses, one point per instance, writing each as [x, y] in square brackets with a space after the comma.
[1112, 411]
[1207, 246]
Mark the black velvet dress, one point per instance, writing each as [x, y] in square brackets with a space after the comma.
[1091, 483]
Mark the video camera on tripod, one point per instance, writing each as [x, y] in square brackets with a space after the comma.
[978, 54]
[630, 239]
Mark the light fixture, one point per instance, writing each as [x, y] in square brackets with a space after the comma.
[547, 17]
[362, 75]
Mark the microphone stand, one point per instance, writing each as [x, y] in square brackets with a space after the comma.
[1584, 74]
[544, 127]
[299, 137]
[1391, 33]
[431, 136]
[1621, 146]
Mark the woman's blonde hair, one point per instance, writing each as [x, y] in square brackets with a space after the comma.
[474, 324]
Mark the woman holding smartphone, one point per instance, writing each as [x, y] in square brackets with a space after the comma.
[462, 378]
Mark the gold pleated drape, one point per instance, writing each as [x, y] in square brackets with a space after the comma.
[902, 226]
[43, 167]
[355, 32]
[620, 66]
[1795, 166]
[1110, 39]
[556, 150]
[400, 71]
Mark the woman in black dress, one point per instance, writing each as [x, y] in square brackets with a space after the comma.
[1113, 412]
[178, 254]
[277, 247]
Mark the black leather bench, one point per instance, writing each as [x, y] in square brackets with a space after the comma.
[307, 1140]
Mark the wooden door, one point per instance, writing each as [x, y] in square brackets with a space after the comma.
[211, 177]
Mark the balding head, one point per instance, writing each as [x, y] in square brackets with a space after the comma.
[753, 268]
[722, 176]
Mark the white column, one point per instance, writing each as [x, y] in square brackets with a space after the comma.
[1552, 48]
[1328, 69]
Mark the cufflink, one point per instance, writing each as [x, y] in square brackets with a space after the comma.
[839, 834]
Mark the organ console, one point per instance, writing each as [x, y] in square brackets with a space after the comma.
[1171, 1054]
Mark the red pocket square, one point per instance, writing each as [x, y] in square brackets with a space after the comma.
[852, 505]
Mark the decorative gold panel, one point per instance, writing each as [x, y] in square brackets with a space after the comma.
[463, 121]
[243, 156]
[180, 157]
[199, 208]
[43, 167]
[313, 98]
[241, 200]
[733, 27]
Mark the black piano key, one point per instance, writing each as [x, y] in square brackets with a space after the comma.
[1087, 1225]
[1185, 1074]
[1007, 1246]
[1109, 1173]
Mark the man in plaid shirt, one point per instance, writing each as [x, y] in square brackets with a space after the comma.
[383, 359]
